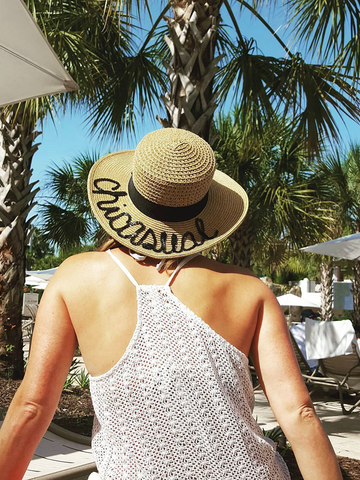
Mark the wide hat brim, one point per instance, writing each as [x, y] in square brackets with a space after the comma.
[112, 206]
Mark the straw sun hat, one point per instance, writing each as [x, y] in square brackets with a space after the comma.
[165, 199]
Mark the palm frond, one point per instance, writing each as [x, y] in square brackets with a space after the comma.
[236, 152]
[324, 26]
[353, 169]
[64, 227]
[127, 7]
[312, 93]
[255, 12]
[134, 85]
[60, 182]
[67, 184]
[67, 218]
[249, 74]
[309, 93]
[225, 43]
[340, 172]
[274, 170]
[348, 59]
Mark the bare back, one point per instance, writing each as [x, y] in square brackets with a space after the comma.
[102, 305]
[91, 301]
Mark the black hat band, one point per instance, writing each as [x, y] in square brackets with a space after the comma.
[164, 213]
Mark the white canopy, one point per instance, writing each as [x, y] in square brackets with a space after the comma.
[41, 275]
[29, 66]
[290, 300]
[344, 247]
[36, 282]
[39, 278]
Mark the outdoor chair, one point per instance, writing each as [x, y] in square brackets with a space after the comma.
[297, 331]
[303, 364]
[343, 373]
[254, 377]
[60, 455]
[329, 339]
[326, 341]
[309, 375]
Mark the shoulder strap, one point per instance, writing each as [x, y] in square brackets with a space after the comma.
[183, 262]
[123, 268]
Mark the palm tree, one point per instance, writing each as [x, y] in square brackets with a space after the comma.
[205, 63]
[354, 186]
[289, 265]
[38, 252]
[94, 51]
[67, 220]
[264, 86]
[340, 171]
[285, 208]
[119, 82]
[327, 288]
[16, 201]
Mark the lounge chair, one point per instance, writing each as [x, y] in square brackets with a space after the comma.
[61, 455]
[309, 375]
[303, 364]
[329, 339]
[326, 341]
[343, 373]
[297, 331]
[254, 377]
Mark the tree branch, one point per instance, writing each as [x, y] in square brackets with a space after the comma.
[158, 20]
[264, 22]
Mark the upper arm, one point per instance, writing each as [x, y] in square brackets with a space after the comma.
[275, 362]
[52, 348]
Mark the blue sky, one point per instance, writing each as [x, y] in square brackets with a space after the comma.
[69, 136]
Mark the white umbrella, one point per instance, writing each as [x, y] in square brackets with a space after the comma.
[290, 300]
[42, 274]
[35, 282]
[345, 247]
[30, 280]
[39, 278]
[29, 66]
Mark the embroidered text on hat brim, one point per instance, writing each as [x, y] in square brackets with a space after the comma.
[173, 226]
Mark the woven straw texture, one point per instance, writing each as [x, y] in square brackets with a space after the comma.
[179, 173]
[173, 173]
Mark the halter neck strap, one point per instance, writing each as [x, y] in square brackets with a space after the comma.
[183, 262]
[123, 268]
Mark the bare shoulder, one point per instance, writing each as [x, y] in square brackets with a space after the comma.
[78, 268]
[81, 260]
[236, 277]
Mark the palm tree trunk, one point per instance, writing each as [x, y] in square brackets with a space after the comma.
[356, 281]
[16, 201]
[219, 252]
[356, 293]
[327, 292]
[192, 37]
[240, 243]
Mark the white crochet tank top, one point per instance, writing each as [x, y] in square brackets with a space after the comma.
[178, 404]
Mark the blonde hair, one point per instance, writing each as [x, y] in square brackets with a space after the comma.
[110, 243]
